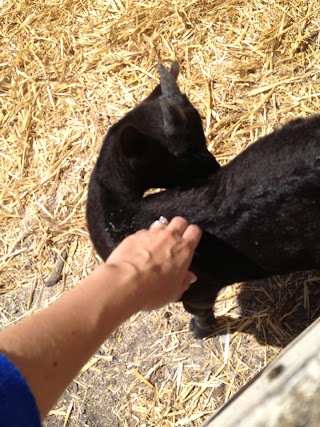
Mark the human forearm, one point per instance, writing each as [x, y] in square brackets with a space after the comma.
[50, 347]
[146, 271]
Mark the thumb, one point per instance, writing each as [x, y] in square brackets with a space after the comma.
[189, 279]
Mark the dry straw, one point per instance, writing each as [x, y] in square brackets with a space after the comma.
[70, 68]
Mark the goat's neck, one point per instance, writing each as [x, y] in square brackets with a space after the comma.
[115, 196]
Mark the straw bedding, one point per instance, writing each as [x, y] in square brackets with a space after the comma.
[69, 69]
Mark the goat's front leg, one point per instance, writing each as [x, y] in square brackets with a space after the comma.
[203, 324]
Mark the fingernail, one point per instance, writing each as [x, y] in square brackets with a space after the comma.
[193, 278]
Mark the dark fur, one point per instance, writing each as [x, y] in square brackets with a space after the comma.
[160, 143]
[260, 214]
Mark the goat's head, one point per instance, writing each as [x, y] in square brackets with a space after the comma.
[162, 138]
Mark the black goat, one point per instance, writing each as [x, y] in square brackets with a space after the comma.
[260, 214]
[160, 143]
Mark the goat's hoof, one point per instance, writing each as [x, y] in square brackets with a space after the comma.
[202, 332]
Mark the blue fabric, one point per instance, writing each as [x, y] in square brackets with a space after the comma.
[18, 407]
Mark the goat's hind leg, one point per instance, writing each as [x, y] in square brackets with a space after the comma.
[203, 324]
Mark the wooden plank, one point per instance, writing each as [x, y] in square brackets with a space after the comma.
[285, 394]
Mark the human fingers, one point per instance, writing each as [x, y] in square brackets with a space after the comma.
[178, 224]
[192, 235]
[189, 279]
[178, 290]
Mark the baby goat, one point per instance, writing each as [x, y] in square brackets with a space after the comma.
[160, 143]
[260, 214]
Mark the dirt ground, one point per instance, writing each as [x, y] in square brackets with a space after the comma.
[71, 68]
[189, 379]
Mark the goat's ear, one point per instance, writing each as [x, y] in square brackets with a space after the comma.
[174, 118]
[131, 141]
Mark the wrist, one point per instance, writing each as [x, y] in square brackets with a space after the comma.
[123, 280]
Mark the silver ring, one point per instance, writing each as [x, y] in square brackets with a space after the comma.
[161, 221]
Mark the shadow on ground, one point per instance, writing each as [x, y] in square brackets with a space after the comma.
[279, 308]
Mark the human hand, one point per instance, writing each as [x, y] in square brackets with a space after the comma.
[159, 258]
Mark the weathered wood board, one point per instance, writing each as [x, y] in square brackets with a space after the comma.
[285, 394]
